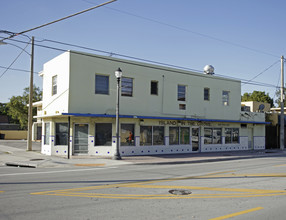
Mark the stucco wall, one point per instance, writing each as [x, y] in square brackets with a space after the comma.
[84, 100]
[14, 135]
[56, 104]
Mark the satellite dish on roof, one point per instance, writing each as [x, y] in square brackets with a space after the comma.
[209, 69]
[261, 107]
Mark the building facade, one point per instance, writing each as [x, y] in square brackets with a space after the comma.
[162, 110]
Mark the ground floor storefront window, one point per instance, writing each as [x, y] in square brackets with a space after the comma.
[103, 134]
[127, 135]
[212, 135]
[47, 133]
[179, 135]
[152, 135]
[231, 135]
[61, 133]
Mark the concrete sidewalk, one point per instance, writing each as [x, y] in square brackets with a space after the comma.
[13, 153]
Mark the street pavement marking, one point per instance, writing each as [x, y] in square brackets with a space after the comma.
[1, 191]
[237, 213]
[221, 192]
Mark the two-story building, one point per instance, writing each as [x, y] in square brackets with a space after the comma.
[163, 110]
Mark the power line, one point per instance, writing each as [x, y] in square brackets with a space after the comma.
[244, 81]
[15, 69]
[14, 60]
[191, 31]
[277, 87]
[78, 13]
[262, 72]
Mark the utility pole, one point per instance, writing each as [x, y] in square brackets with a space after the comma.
[282, 106]
[30, 110]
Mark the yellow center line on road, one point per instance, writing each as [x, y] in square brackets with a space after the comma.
[195, 194]
[253, 191]
[237, 213]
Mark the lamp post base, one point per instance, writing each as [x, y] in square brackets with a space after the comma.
[116, 157]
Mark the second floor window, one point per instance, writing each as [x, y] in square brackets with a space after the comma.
[181, 93]
[126, 86]
[225, 98]
[154, 88]
[54, 85]
[101, 84]
[206, 94]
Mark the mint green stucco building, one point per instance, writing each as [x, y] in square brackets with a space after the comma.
[163, 110]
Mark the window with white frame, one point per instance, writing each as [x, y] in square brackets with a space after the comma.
[54, 85]
[126, 86]
[212, 136]
[152, 135]
[231, 135]
[101, 84]
[225, 98]
[47, 133]
[61, 133]
[181, 93]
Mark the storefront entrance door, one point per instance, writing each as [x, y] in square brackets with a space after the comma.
[195, 139]
[81, 139]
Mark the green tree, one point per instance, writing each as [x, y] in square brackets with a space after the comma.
[278, 95]
[18, 109]
[3, 109]
[258, 96]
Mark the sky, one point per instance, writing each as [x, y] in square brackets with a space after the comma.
[241, 39]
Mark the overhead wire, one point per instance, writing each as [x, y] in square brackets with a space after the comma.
[262, 72]
[190, 31]
[23, 49]
[15, 69]
[277, 87]
[245, 81]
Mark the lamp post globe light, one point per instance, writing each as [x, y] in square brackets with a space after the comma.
[118, 74]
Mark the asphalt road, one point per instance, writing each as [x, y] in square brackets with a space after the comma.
[241, 189]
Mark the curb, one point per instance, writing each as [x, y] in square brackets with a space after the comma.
[208, 160]
[191, 161]
[21, 164]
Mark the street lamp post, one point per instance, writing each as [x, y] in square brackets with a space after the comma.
[118, 74]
